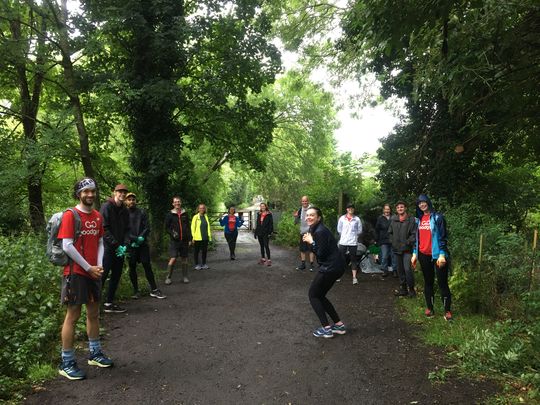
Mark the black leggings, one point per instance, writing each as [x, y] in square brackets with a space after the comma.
[265, 246]
[429, 269]
[200, 246]
[231, 241]
[141, 255]
[114, 265]
[321, 284]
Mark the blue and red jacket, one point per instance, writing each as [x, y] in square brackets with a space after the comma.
[437, 225]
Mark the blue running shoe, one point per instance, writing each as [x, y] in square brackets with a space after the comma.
[339, 329]
[100, 360]
[70, 370]
[323, 332]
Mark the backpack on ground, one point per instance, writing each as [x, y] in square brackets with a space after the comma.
[55, 253]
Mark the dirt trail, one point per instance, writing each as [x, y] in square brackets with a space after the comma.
[240, 333]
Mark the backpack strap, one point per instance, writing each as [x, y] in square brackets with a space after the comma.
[76, 234]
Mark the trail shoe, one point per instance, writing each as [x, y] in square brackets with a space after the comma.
[301, 266]
[70, 370]
[339, 329]
[186, 280]
[168, 281]
[198, 267]
[323, 332]
[269, 262]
[113, 308]
[401, 293]
[429, 313]
[262, 261]
[157, 294]
[411, 293]
[311, 267]
[136, 295]
[204, 267]
[385, 274]
[355, 281]
[100, 360]
[448, 316]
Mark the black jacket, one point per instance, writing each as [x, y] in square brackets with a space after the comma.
[402, 234]
[178, 230]
[138, 224]
[325, 248]
[267, 226]
[115, 224]
[381, 230]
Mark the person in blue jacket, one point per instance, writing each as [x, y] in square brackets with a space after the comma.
[230, 223]
[431, 251]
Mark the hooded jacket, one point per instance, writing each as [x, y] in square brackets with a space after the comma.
[224, 222]
[196, 227]
[267, 226]
[437, 225]
[115, 224]
[178, 229]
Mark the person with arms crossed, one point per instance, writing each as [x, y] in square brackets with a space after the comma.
[300, 219]
[81, 282]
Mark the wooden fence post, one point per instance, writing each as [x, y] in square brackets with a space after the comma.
[480, 249]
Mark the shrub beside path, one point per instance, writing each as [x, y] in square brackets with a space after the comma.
[240, 333]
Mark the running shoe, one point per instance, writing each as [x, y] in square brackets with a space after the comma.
[113, 308]
[185, 280]
[311, 267]
[100, 360]
[355, 281]
[168, 281]
[429, 313]
[301, 266]
[323, 332]
[198, 267]
[269, 262]
[448, 316]
[136, 295]
[70, 370]
[157, 294]
[262, 261]
[339, 329]
[204, 267]
[401, 293]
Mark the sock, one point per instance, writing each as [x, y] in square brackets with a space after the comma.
[68, 355]
[94, 345]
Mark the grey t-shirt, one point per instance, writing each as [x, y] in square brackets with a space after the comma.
[304, 227]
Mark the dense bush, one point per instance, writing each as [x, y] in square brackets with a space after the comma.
[498, 281]
[287, 231]
[30, 314]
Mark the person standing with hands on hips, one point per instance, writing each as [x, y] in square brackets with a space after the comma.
[81, 282]
[432, 252]
[230, 223]
[331, 267]
[264, 228]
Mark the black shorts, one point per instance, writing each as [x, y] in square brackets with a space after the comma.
[304, 246]
[78, 290]
[178, 248]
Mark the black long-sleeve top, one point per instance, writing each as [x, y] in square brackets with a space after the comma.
[115, 224]
[138, 224]
[325, 248]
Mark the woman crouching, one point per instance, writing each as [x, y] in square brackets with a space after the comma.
[331, 267]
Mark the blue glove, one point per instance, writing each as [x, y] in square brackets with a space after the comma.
[140, 240]
[121, 251]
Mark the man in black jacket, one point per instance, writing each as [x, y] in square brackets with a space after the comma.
[116, 239]
[139, 251]
[178, 226]
[402, 235]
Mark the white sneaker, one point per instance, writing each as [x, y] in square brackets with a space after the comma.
[168, 280]
[204, 267]
[198, 267]
[355, 281]
[186, 280]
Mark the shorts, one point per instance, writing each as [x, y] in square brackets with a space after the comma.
[178, 248]
[304, 246]
[78, 290]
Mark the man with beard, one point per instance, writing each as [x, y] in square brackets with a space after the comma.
[81, 283]
[116, 239]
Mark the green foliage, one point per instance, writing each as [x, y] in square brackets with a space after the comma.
[287, 232]
[30, 313]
